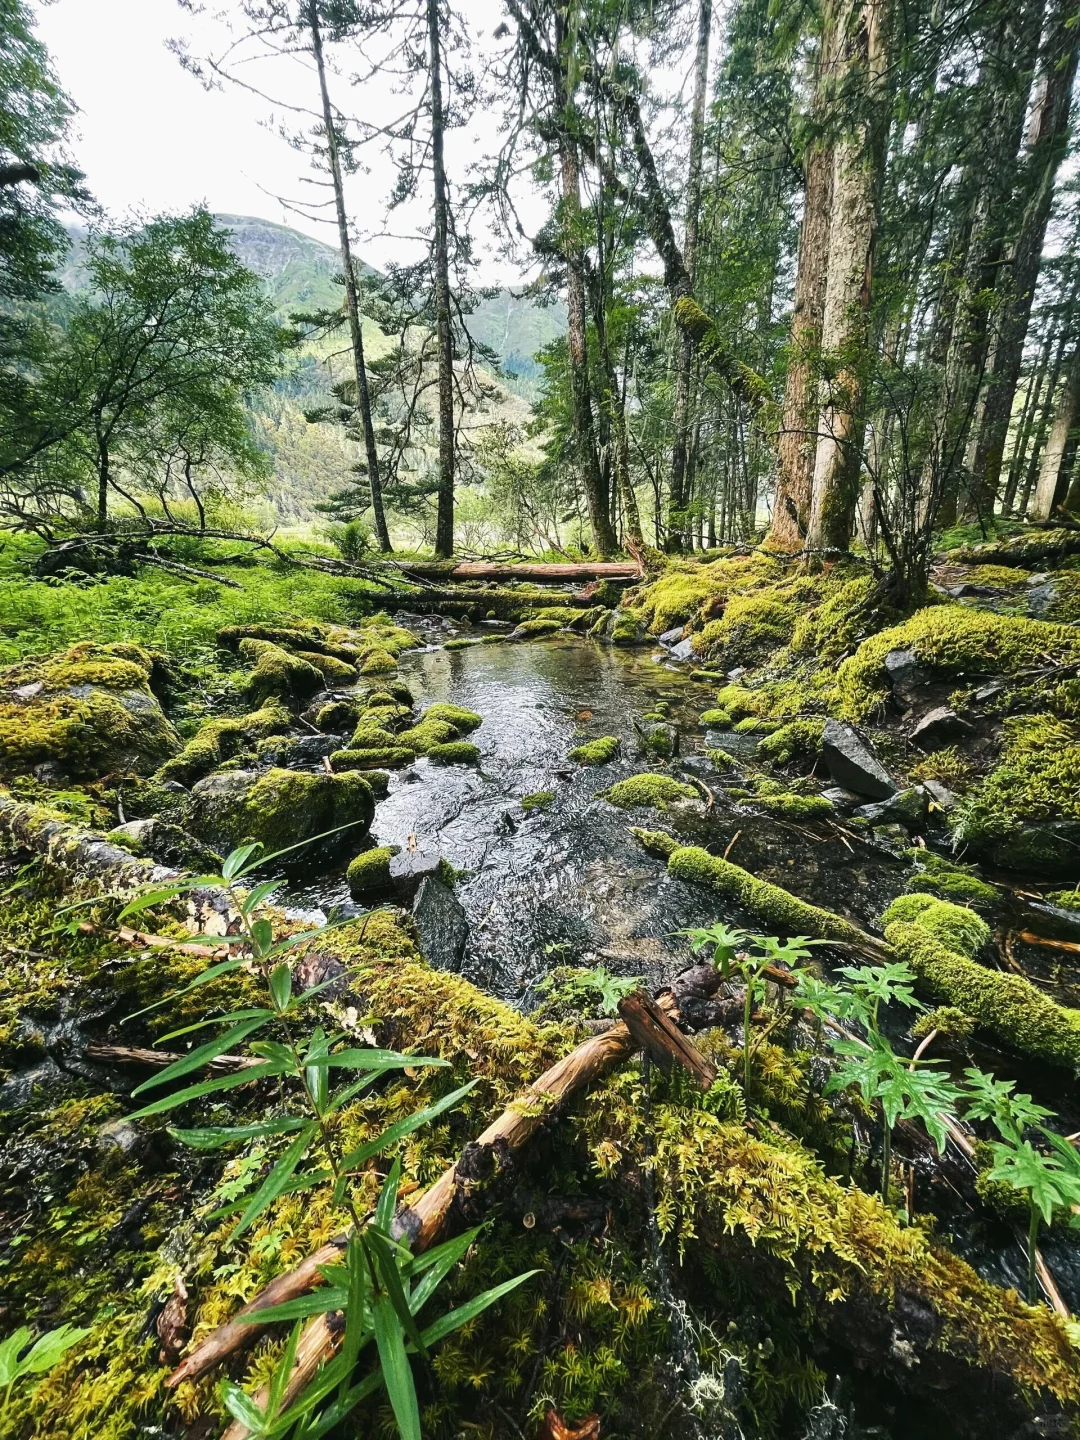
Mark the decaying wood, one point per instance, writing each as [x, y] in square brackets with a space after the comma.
[422, 1223]
[554, 574]
[1031, 939]
[159, 1059]
[656, 1033]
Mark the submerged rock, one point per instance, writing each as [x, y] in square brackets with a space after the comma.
[853, 764]
[440, 924]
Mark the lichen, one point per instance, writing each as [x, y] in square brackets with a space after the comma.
[1006, 1006]
[648, 791]
[596, 752]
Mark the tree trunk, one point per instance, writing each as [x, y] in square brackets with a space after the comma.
[1032, 400]
[797, 442]
[352, 299]
[678, 496]
[1065, 418]
[844, 326]
[444, 525]
[1048, 134]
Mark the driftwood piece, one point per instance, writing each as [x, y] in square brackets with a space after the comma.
[422, 1223]
[159, 1059]
[656, 1033]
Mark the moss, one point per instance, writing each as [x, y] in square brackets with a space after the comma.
[675, 597]
[89, 710]
[333, 671]
[1065, 606]
[941, 877]
[369, 735]
[1065, 899]
[714, 717]
[463, 721]
[378, 661]
[797, 740]
[276, 675]
[752, 626]
[1007, 1007]
[1001, 577]
[652, 791]
[789, 806]
[596, 752]
[337, 717]
[947, 766]
[776, 906]
[369, 872]
[954, 926]
[836, 625]
[455, 752]
[533, 629]
[540, 800]
[951, 640]
[220, 740]
[1016, 814]
[285, 807]
[657, 842]
[947, 1020]
[429, 733]
[390, 757]
[720, 759]
[462, 642]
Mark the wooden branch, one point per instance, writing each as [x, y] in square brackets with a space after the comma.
[657, 1034]
[1031, 939]
[158, 1059]
[421, 1223]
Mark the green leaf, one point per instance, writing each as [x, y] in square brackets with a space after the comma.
[282, 1370]
[349, 1093]
[202, 1055]
[280, 978]
[390, 1276]
[251, 1014]
[278, 1178]
[319, 1302]
[236, 859]
[387, 1204]
[247, 1076]
[241, 1407]
[212, 1137]
[307, 1181]
[10, 1351]
[393, 1133]
[376, 1060]
[317, 1077]
[258, 894]
[447, 1324]
[396, 1371]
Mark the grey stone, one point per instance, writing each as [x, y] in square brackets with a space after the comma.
[168, 844]
[1054, 921]
[1041, 597]
[993, 686]
[737, 673]
[441, 924]
[662, 740]
[907, 808]
[293, 751]
[683, 651]
[938, 727]
[841, 798]
[905, 674]
[735, 742]
[27, 692]
[940, 794]
[122, 1135]
[410, 867]
[853, 764]
[671, 637]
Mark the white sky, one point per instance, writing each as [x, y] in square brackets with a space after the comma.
[151, 139]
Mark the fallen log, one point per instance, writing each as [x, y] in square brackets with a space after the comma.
[422, 1223]
[542, 574]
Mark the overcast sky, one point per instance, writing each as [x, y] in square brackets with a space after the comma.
[151, 139]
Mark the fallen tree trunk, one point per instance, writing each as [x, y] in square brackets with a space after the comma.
[553, 574]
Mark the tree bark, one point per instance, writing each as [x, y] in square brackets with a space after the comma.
[678, 493]
[352, 298]
[1066, 414]
[444, 525]
[845, 319]
[797, 442]
[1048, 135]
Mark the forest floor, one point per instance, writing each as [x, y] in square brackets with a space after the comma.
[741, 740]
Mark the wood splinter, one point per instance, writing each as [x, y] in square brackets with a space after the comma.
[656, 1033]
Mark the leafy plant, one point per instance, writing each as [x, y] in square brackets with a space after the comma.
[1050, 1182]
[45, 1352]
[587, 986]
[376, 1289]
[750, 963]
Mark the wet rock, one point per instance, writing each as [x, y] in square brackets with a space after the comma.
[695, 994]
[906, 807]
[315, 969]
[993, 686]
[853, 764]
[968, 590]
[409, 868]
[1053, 921]
[123, 1136]
[440, 924]
[841, 798]
[683, 651]
[941, 795]
[300, 749]
[737, 743]
[1050, 848]
[671, 637]
[662, 740]
[905, 674]
[940, 726]
[167, 843]
[1040, 598]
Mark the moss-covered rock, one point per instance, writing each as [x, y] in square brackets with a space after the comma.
[167, 844]
[937, 876]
[88, 711]
[389, 757]
[426, 734]
[596, 752]
[950, 641]
[378, 661]
[333, 670]
[1006, 1006]
[1025, 815]
[222, 739]
[1065, 899]
[797, 740]
[337, 717]
[648, 791]
[463, 721]
[277, 674]
[751, 627]
[369, 873]
[534, 629]
[539, 800]
[369, 735]
[954, 926]
[283, 808]
[787, 805]
[621, 628]
[454, 752]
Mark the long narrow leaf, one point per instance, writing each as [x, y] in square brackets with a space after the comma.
[447, 1324]
[397, 1373]
[278, 1178]
[307, 1181]
[252, 1014]
[202, 1055]
[319, 1302]
[213, 1137]
[247, 1076]
[377, 1060]
[391, 1279]
[401, 1128]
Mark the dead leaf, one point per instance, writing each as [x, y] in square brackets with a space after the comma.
[556, 1428]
